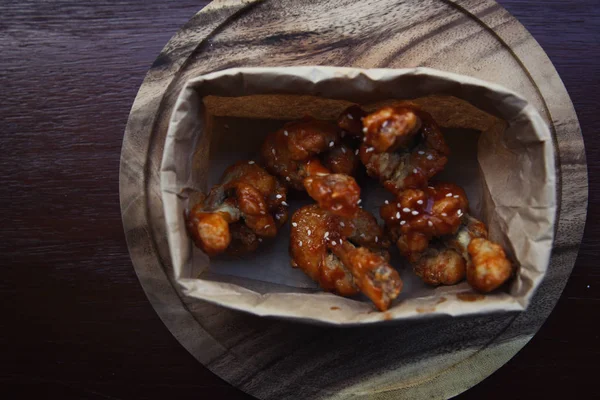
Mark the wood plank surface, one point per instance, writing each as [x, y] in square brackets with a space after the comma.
[79, 324]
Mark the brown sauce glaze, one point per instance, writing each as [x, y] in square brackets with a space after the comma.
[470, 296]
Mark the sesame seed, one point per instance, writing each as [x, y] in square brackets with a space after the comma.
[359, 201]
[365, 139]
[277, 216]
[414, 212]
[350, 116]
[344, 150]
[430, 157]
[309, 232]
[260, 240]
[326, 235]
[364, 130]
[356, 152]
[455, 196]
[340, 242]
[419, 201]
[294, 224]
[300, 243]
[285, 133]
[421, 152]
[370, 149]
[386, 202]
[333, 243]
[362, 235]
[402, 222]
[460, 213]
[267, 226]
[429, 223]
[287, 178]
[406, 209]
[342, 224]
[273, 151]
[415, 171]
[444, 215]
[376, 239]
[398, 215]
[449, 195]
[331, 144]
[430, 187]
[398, 205]
[284, 203]
[250, 162]
[278, 196]
[262, 213]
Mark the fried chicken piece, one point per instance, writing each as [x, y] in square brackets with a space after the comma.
[468, 252]
[243, 239]
[440, 265]
[371, 272]
[321, 245]
[210, 230]
[489, 267]
[341, 159]
[366, 232]
[418, 215]
[350, 121]
[403, 147]
[337, 193]
[487, 264]
[391, 128]
[246, 192]
[291, 153]
[312, 228]
[286, 151]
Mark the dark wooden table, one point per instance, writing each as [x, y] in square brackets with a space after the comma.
[75, 321]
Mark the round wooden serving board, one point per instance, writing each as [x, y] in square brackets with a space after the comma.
[274, 359]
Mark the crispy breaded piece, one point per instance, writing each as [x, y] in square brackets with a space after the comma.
[247, 195]
[321, 245]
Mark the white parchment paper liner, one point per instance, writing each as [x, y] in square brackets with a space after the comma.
[513, 191]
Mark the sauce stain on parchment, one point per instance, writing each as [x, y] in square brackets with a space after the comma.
[469, 296]
[430, 308]
[334, 308]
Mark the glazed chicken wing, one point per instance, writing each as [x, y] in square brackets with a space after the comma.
[403, 146]
[312, 229]
[440, 265]
[330, 250]
[248, 194]
[292, 153]
[341, 159]
[467, 252]
[489, 268]
[350, 121]
[391, 128]
[487, 264]
[418, 215]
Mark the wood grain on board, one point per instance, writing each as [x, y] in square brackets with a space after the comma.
[78, 323]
